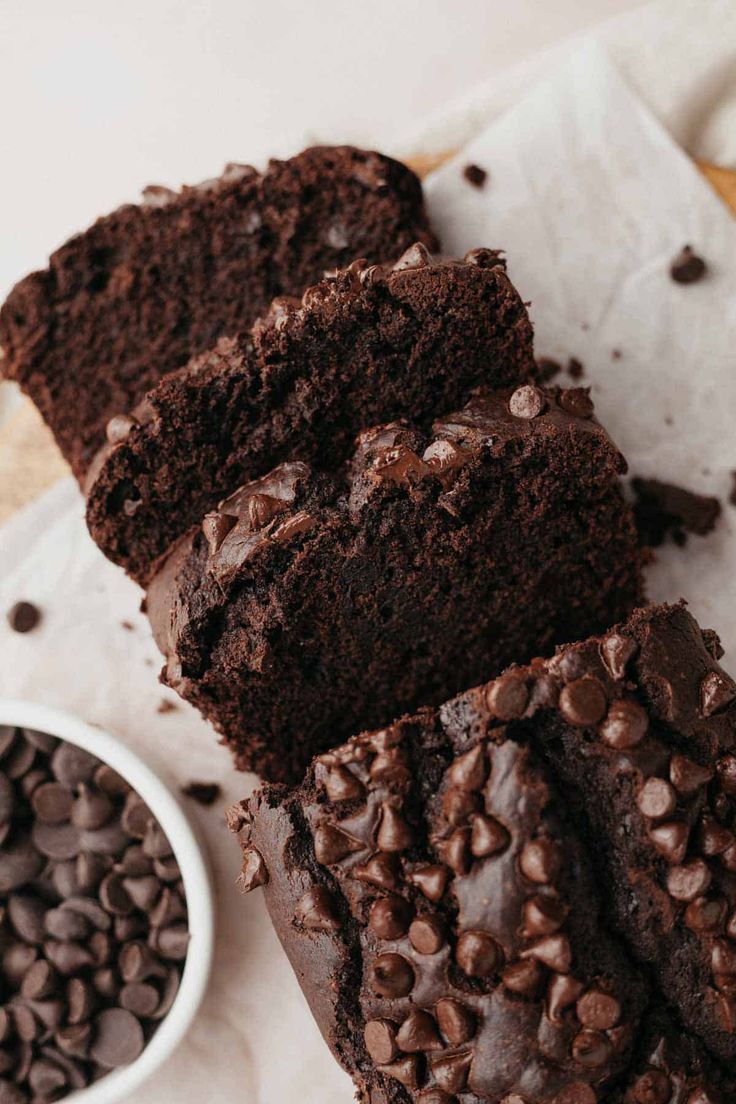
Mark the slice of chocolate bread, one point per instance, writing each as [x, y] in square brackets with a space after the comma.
[365, 345]
[149, 286]
[307, 606]
[441, 915]
[476, 899]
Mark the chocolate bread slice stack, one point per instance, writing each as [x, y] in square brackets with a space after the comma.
[149, 286]
[310, 605]
[365, 345]
[525, 895]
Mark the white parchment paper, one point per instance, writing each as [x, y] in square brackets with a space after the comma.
[591, 199]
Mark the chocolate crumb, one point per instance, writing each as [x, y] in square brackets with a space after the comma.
[127, 625]
[575, 368]
[547, 367]
[687, 267]
[204, 793]
[23, 617]
[665, 510]
[166, 706]
[475, 175]
[616, 354]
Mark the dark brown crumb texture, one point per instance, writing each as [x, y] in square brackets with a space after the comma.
[367, 344]
[482, 902]
[149, 286]
[306, 607]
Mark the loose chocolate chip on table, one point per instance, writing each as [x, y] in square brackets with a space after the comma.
[475, 175]
[23, 617]
[204, 793]
[687, 267]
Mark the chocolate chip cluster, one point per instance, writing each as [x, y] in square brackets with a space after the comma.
[93, 919]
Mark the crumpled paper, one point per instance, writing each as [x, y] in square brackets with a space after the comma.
[591, 199]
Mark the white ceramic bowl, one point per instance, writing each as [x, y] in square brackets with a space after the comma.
[189, 854]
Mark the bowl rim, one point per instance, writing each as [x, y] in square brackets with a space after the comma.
[189, 853]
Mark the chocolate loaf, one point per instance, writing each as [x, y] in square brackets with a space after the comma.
[365, 345]
[148, 287]
[308, 606]
[475, 898]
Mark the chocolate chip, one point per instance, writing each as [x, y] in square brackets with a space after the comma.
[616, 651]
[540, 860]
[405, 1070]
[143, 891]
[64, 925]
[553, 951]
[418, 1033]
[110, 782]
[625, 726]
[390, 917]
[331, 844]
[91, 809]
[342, 785]
[39, 981]
[507, 697]
[598, 1010]
[577, 401]
[394, 834]
[475, 175]
[527, 402]
[80, 1000]
[52, 802]
[204, 793]
[140, 998]
[23, 617]
[56, 841]
[487, 836]
[381, 870]
[523, 977]
[118, 1038]
[26, 914]
[451, 1071]
[430, 880]
[687, 777]
[704, 915]
[583, 702]
[435, 1096]
[477, 954]
[380, 1041]
[391, 975]
[543, 915]
[20, 862]
[72, 765]
[656, 799]
[671, 840]
[136, 816]
[456, 1021]
[427, 934]
[652, 1087]
[687, 882]
[171, 942]
[590, 1049]
[562, 992]
[459, 805]
[469, 771]
[687, 267]
[317, 911]
[416, 256]
[717, 691]
[46, 1079]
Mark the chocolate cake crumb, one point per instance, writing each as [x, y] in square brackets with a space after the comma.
[575, 368]
[547, 368]
[23, 617]
[204, 793]
[127, 625]
[687, 267]
[616, 354]
[475, 175]
[166, 706]
[665, 510]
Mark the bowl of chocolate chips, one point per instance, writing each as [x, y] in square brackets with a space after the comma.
[106, 914]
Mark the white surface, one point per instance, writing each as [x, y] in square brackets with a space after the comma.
[101, 98]
[591, 198]
[121, 1083]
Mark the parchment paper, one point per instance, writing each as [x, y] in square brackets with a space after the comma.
[591, 199]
